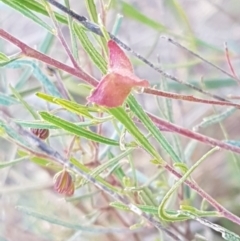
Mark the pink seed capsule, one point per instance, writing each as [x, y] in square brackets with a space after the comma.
[63, 183]
[40, 133]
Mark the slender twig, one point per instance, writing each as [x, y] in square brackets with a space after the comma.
[30, 52]
[229, 62]
[187, 97]
[52, 154]
[95, 29]
[60, 36]
[193, 135]
[222, 211]
[162, 123]
[59, 82]
[170, 40]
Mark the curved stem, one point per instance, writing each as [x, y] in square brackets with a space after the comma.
[223, 211]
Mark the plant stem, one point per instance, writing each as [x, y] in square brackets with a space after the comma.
[193, 135]
[170, 40]
[223, 211]
[52, 154]
[32, 53]
[186, 97]
[60, 36]
[96, 29]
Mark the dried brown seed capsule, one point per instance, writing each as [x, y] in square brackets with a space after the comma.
[40, 133]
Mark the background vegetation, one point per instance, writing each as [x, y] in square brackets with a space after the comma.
[163, 178]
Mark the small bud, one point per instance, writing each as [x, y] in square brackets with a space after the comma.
[63, 183]
[40, 133]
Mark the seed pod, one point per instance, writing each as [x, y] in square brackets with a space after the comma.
[40, 133]
[63, 183]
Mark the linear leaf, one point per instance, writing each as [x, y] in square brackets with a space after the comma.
[3, 58]
[146, 208]
[38, 160]
[140, 113]
[44, 125]
[11, 163]
[77, 226]
[99, 179]
[96, 58]
[7, 100]
[69, 105]
[122, 116]
[73, 36]
[76, 130]
[24, 103]
[91, 7]
[98, 170]
[19, 6]
[131, 12]
[37, 72]
[37, 7]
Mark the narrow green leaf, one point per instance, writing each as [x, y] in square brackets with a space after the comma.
[44, 125]
[98, 170]
[37, 7]
[2, 64]
[56, 220]
[74, 44]
[99, 179]
[38, 160]
[230, 236]
[76, 130]
[13, 134]
[74, 107]
[131, 12]
[117, 24]
[7, 100]
[95, 17]
[3, 58]
[211, 120]
[140, 113]
[148, 209]
[22, 8]
[226, 234]
[161, 209]
[208, 83]
[25, 104]
[12, 163]
[37, 72]
[46, 43]
[122, 116]
[69, 105]
[96, 58]
[91, 7]
[181, 16]
[198, 212]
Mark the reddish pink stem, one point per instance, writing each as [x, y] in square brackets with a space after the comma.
[187, 98]
[162, 124]
[30, 52]
[222, 211]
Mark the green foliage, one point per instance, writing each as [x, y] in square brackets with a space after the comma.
[136, 167]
